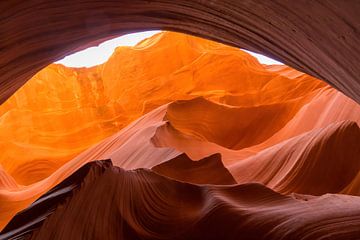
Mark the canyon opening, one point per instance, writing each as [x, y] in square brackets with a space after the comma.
[167, 135]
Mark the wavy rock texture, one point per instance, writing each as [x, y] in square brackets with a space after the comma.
[144, 205]
[63, 111]
[320, 38]
[209, 170]
[282, 141]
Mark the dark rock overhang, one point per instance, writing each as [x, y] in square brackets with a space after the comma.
[320, 38]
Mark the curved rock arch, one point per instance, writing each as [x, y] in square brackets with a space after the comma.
[320, 38]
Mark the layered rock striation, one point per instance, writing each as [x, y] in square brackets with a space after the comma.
[207, 144]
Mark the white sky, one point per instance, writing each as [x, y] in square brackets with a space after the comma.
[97, 55]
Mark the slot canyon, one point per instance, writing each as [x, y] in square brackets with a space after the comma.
[184, 135]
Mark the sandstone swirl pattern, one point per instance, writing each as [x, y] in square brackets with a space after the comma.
[140, 204]
[206, 143]
[320, 38]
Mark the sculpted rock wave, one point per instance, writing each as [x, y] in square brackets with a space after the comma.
[114, 203]
[209, 144]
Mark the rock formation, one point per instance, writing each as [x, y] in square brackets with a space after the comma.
[205, 143]
[320, 38]
[141, 204]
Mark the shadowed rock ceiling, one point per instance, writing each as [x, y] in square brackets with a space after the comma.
[320, 38]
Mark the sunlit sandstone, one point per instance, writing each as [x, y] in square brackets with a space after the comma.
[174, 94]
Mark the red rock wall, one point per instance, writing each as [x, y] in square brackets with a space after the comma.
[174, 94]
[320, 38]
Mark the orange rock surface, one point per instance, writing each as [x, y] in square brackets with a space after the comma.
[63, 111]
[173, 94]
